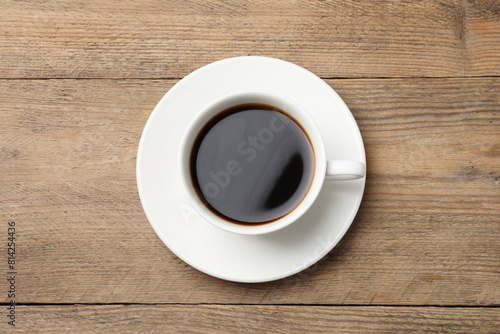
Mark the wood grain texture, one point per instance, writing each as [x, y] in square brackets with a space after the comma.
[170, 38]
[254, 319]
[427, 233]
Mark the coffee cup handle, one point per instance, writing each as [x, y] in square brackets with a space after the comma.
[344, 170]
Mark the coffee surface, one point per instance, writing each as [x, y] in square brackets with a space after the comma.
[252, 164]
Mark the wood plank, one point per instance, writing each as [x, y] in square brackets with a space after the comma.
[253, 319]
[427, 233]
[169, 39]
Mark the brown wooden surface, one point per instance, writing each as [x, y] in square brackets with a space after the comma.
[421, 78]
[169, 39]
[256, 319]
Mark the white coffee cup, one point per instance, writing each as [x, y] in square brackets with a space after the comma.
[323, 170]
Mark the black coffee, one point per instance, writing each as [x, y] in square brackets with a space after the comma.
[252, 164]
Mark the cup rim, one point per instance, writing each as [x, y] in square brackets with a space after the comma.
[290, 107]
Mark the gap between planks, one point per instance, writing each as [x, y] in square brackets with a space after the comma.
[323, 78]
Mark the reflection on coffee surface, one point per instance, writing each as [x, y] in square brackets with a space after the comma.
[252, 164]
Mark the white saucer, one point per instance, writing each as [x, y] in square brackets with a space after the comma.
[247, 258]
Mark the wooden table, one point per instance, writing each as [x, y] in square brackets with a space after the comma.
[80, 78]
